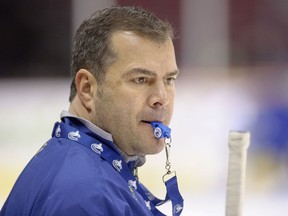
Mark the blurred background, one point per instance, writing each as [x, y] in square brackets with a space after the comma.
[233, 58]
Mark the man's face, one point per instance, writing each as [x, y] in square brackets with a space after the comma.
[138, 89]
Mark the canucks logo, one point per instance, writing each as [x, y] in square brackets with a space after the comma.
[132, 187]
[117, 164]
[150, 196]
[133, 184]
[58, 131]
[97, 147]
[74, 135]
[177, 208]
[147, 203]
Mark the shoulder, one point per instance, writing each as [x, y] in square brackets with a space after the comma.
[98, 195]
[101, 196]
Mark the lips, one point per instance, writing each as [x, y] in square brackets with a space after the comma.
[149, 122]
[160, 115]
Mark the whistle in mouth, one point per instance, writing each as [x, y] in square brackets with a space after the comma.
[160, 130]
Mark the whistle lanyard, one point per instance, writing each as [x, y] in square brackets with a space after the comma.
[107, 150]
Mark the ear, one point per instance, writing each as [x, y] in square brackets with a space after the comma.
[86, 85]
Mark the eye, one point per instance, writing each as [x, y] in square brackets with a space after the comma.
[170, 80]
[140, 80]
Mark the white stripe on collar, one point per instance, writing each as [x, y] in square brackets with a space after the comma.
[89, 125]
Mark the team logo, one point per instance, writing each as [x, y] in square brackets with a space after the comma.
[177, 208]
[132, 187]
[74, 135]
[132, 191]
[147, 203]
[97, 147]
[133, 184]
[150, 196]
[58, 131]
[117, 164]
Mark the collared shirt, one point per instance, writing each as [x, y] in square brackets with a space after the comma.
[66, 178]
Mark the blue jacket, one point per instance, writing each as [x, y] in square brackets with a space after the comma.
[66, 178]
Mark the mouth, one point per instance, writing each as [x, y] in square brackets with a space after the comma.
[159, 129]
[149, 122]
[146, 123]
[149, 126]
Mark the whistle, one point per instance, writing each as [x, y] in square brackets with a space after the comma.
[160, 130]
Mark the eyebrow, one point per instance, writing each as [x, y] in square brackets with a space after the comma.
[149, 72]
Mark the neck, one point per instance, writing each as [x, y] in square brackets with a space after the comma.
[84, 117]
[139, 160]
[76, 108]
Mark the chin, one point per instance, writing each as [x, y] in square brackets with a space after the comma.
[158, 148]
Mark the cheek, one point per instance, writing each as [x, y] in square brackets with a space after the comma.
[171, 106]
[129, 107]
[125, 104]
[171, 100]
[129, 98]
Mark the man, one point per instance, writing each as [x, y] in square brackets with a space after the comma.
[123, 68]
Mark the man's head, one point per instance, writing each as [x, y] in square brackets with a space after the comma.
[92, 49]
[124, 71]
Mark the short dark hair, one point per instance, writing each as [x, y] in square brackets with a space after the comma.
[92, 48]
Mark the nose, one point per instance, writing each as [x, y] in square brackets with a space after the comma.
[159, 96]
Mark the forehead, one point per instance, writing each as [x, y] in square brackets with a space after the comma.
[132, 48]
